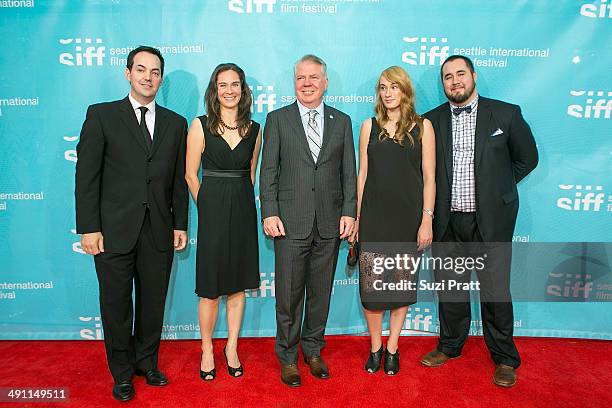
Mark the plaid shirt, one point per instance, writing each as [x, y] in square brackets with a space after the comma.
[463, 194]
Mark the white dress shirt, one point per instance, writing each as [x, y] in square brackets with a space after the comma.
[149, 116]
[304, 116]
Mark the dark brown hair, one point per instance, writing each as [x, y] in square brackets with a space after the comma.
[213, 107]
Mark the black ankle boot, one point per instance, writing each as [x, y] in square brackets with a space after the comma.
[373, 363]
[392, 362]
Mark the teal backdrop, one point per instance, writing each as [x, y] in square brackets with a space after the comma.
[553, 58]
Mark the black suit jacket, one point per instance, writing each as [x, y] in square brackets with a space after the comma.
[500, 162]
[118, 178]
[294, 187]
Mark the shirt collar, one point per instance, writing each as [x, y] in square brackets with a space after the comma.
[304, 110]
[135, 104]
[473, 104]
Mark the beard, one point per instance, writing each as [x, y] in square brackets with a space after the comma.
[459, 98]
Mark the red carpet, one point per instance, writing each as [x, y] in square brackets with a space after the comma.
[555, 373]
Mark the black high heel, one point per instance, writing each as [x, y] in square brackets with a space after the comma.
[373, 363]
[206, 375]
[231, 370]
[392, 362]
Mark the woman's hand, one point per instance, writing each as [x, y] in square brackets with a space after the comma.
[355, 234]
[425, 234]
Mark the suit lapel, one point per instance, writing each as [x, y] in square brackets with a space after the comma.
[483, 120]
[160, 128]
[296, 123]
[328, 126]
[129, 118]
[447, 141]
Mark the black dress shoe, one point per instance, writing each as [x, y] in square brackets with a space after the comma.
[392, 362]
[373, 363]
[123, 391]
[153, 377]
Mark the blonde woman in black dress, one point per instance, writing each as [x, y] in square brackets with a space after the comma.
[226, 143]
[396, 193]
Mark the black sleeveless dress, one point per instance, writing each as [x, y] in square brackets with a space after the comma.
[227, 252]
[390, 217]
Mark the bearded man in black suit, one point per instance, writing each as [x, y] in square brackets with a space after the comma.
[484, 148]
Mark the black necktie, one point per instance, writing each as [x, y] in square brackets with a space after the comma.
[143, 127]
[457, 111]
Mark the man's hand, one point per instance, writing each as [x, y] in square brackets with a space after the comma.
[180, 240]
[346, 226]
[92, 243]
[273, 227]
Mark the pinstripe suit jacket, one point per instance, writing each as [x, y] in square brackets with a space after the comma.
[295, 188]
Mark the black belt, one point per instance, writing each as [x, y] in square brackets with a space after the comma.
[226, 173]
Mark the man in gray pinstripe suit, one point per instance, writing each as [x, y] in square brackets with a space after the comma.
[308, 204]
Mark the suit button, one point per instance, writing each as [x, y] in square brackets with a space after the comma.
[149, 160]
[316, 167]
[313, 189]
[149, 181]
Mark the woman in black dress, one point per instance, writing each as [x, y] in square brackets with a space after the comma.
[226, 143]
[395, 192]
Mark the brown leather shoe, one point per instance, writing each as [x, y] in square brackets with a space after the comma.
[290, 375]
[318, 368]
[435, 358]
[505, 376]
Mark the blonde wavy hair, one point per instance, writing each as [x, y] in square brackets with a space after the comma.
[408, 116]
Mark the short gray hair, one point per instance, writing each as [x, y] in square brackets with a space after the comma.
[311, 58]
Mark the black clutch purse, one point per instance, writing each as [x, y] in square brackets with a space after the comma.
[353, 253]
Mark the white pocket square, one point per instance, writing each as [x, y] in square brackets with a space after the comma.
[497, 133]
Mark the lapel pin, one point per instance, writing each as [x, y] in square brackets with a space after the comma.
[331, 116]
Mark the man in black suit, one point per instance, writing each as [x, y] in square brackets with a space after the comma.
[131, 209]
[308, 204]
[484, 148]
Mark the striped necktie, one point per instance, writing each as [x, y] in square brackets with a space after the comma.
[314, 134]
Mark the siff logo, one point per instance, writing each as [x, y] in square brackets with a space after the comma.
[591, 110]
[91, 334]
[415, 320]
[85, 52]
[76, 246]
[581, 202]
[264, 99]
[266, 287]
[71, 154]
[580, 288]
[601, 10]
[246, 6]
[435, 55]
